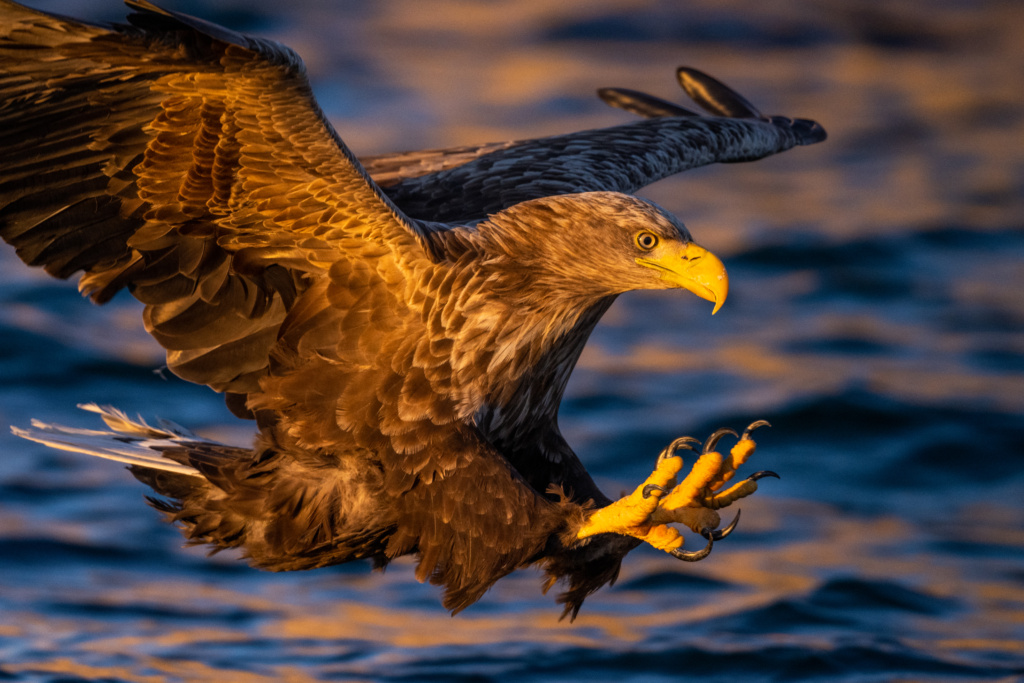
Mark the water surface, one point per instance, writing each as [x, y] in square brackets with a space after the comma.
[875, 318]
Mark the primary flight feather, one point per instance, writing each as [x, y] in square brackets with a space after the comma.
[403, 345]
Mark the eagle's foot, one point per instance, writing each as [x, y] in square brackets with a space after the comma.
[696, 500]
[631, 514]
[647, 512]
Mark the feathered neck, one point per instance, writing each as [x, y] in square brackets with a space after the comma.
[514, 321]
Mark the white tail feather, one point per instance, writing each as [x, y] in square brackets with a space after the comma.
[133, 442]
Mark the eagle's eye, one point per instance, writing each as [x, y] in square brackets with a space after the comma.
[646, 240]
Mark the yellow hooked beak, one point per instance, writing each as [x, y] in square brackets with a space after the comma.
[692, 268]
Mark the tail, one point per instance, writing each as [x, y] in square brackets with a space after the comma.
[282, 515]
[187, 469]
[133, 442]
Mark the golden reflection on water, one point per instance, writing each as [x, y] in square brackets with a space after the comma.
[794, 374]
[835, 545]
[919, 139]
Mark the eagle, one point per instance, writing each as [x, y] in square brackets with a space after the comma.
[400, 329]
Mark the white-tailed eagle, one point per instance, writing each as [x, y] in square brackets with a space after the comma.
[401, 330]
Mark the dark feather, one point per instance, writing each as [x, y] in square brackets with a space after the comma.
[403, 354]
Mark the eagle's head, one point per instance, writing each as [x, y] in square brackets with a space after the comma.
[599, 244]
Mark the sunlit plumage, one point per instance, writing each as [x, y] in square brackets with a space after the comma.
[403, 350]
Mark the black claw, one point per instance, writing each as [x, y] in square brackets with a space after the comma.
[686, 442]
[719, 534]
[713, 440]
[762, 474]
[754, 425]
[695, 555]
[652, 487]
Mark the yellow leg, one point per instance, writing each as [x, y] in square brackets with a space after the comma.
[632, 515]
[629, 513]
[648, 512]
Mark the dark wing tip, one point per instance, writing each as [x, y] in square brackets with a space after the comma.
[808, 131]
[721, 100]
[147, 16]
[714, 96]
[181, 28]
[641, 104]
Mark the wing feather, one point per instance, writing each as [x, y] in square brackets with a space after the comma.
[188, 163]
[191, 165]
[468, 183]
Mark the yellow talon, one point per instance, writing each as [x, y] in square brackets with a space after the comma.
[740, 490]
[696, 517]
[648, 511]
[743, 449]
[732, 494]
[632, 511]
[695, 485]
[661, 536]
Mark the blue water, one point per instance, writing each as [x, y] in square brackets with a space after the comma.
[876, 318]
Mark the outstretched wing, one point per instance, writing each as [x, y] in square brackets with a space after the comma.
[191, 165]
[468, 183]
[186, 162]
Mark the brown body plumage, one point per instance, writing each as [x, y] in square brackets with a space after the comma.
[405, 373]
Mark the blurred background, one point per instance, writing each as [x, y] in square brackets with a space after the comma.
[876, 318]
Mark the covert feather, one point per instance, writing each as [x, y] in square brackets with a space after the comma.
[401, 330]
